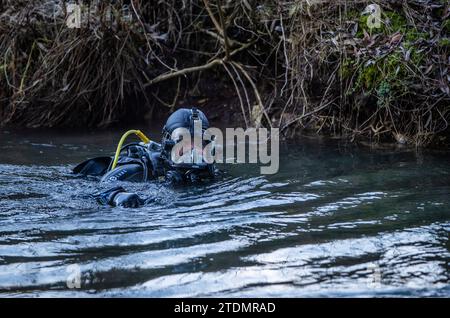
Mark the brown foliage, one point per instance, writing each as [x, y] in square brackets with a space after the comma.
[292, 64]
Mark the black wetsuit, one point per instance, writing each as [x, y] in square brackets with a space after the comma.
[152, 161]
[139, 165]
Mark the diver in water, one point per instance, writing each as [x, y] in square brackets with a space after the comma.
[147, 160]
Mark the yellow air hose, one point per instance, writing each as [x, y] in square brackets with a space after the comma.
[138, 133]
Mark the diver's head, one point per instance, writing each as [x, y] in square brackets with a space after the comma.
[183, 139]
[184, 118]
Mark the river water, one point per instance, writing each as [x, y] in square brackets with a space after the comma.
[335, 221]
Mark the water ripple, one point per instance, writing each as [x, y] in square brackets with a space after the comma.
[336, 227]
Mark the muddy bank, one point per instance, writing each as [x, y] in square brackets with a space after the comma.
[339, 68]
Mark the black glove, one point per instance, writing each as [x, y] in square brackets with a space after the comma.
[173, 177]
[127, 200]
[107, 197]
[119, 197]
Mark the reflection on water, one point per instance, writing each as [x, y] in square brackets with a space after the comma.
[335, 221]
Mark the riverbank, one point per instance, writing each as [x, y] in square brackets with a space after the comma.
[337, 68]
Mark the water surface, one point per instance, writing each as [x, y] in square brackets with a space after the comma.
[335, 221]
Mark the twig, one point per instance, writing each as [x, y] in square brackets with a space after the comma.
[185, 71]
[224, 30]
[193, 69]
[238, 93]
[213, 18]
[255, 89]
[22, 81]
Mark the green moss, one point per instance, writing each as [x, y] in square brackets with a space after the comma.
[414, 35]
[395, 22]
[417, 58]
[370, 76]
[353, 14]
[383, 70]
[393, 61]
[444, 42]
[446, 26]
[347, 68]
[362, 24]
[389, 76]
[384, 93]
[391, 22]
[384, 90]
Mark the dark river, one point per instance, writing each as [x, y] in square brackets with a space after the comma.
[337, 220]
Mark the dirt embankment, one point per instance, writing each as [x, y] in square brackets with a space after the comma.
[376, 70]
